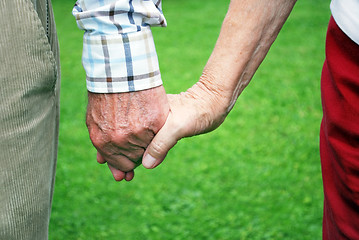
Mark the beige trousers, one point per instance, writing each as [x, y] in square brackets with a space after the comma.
[29, 114]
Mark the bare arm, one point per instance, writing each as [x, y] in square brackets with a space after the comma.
[249, 29]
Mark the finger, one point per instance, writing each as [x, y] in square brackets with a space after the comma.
[121, 163]
[164, 140]
[100, 159]
[129, 176]
[118, 175]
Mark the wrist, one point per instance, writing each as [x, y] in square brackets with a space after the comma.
[218, 94]
[210, 100]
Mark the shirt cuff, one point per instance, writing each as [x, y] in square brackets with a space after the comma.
[121, 63]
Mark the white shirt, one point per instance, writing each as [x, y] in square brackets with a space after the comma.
[346, 15]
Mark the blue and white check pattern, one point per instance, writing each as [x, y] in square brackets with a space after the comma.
[119, 54]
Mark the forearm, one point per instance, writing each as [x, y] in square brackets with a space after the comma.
[248, 31]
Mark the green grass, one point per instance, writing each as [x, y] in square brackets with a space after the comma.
[256, 177]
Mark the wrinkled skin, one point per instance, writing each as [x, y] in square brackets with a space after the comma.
[198, 110]
[248, 31]
[121, 125]
[121, 139]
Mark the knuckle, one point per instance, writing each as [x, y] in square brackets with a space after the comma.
[128, 166]
[138, 130]
[157, 148]
[97, 140]
[119, 138]
[121, 162]
[135, 155]
[88, 122]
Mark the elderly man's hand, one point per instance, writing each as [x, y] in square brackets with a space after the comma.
[121, 125]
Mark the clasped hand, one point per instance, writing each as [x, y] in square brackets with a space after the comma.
[126, 128]
[121, 125]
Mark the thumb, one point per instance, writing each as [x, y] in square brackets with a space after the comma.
[164, 140]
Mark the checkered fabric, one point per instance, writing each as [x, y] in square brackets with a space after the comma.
[119, 54]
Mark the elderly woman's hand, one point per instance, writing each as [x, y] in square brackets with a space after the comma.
[196, 111]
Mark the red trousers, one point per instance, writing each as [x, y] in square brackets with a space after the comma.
[339, 136]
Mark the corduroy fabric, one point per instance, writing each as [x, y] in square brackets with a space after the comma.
[29, 115]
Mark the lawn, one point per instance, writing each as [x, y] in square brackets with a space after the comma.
[256, 177]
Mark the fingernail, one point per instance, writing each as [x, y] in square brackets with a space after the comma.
[149, 161]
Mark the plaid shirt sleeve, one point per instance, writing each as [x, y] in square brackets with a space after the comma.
[119, 54]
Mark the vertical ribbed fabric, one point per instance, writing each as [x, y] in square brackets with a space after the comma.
[29, 114]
